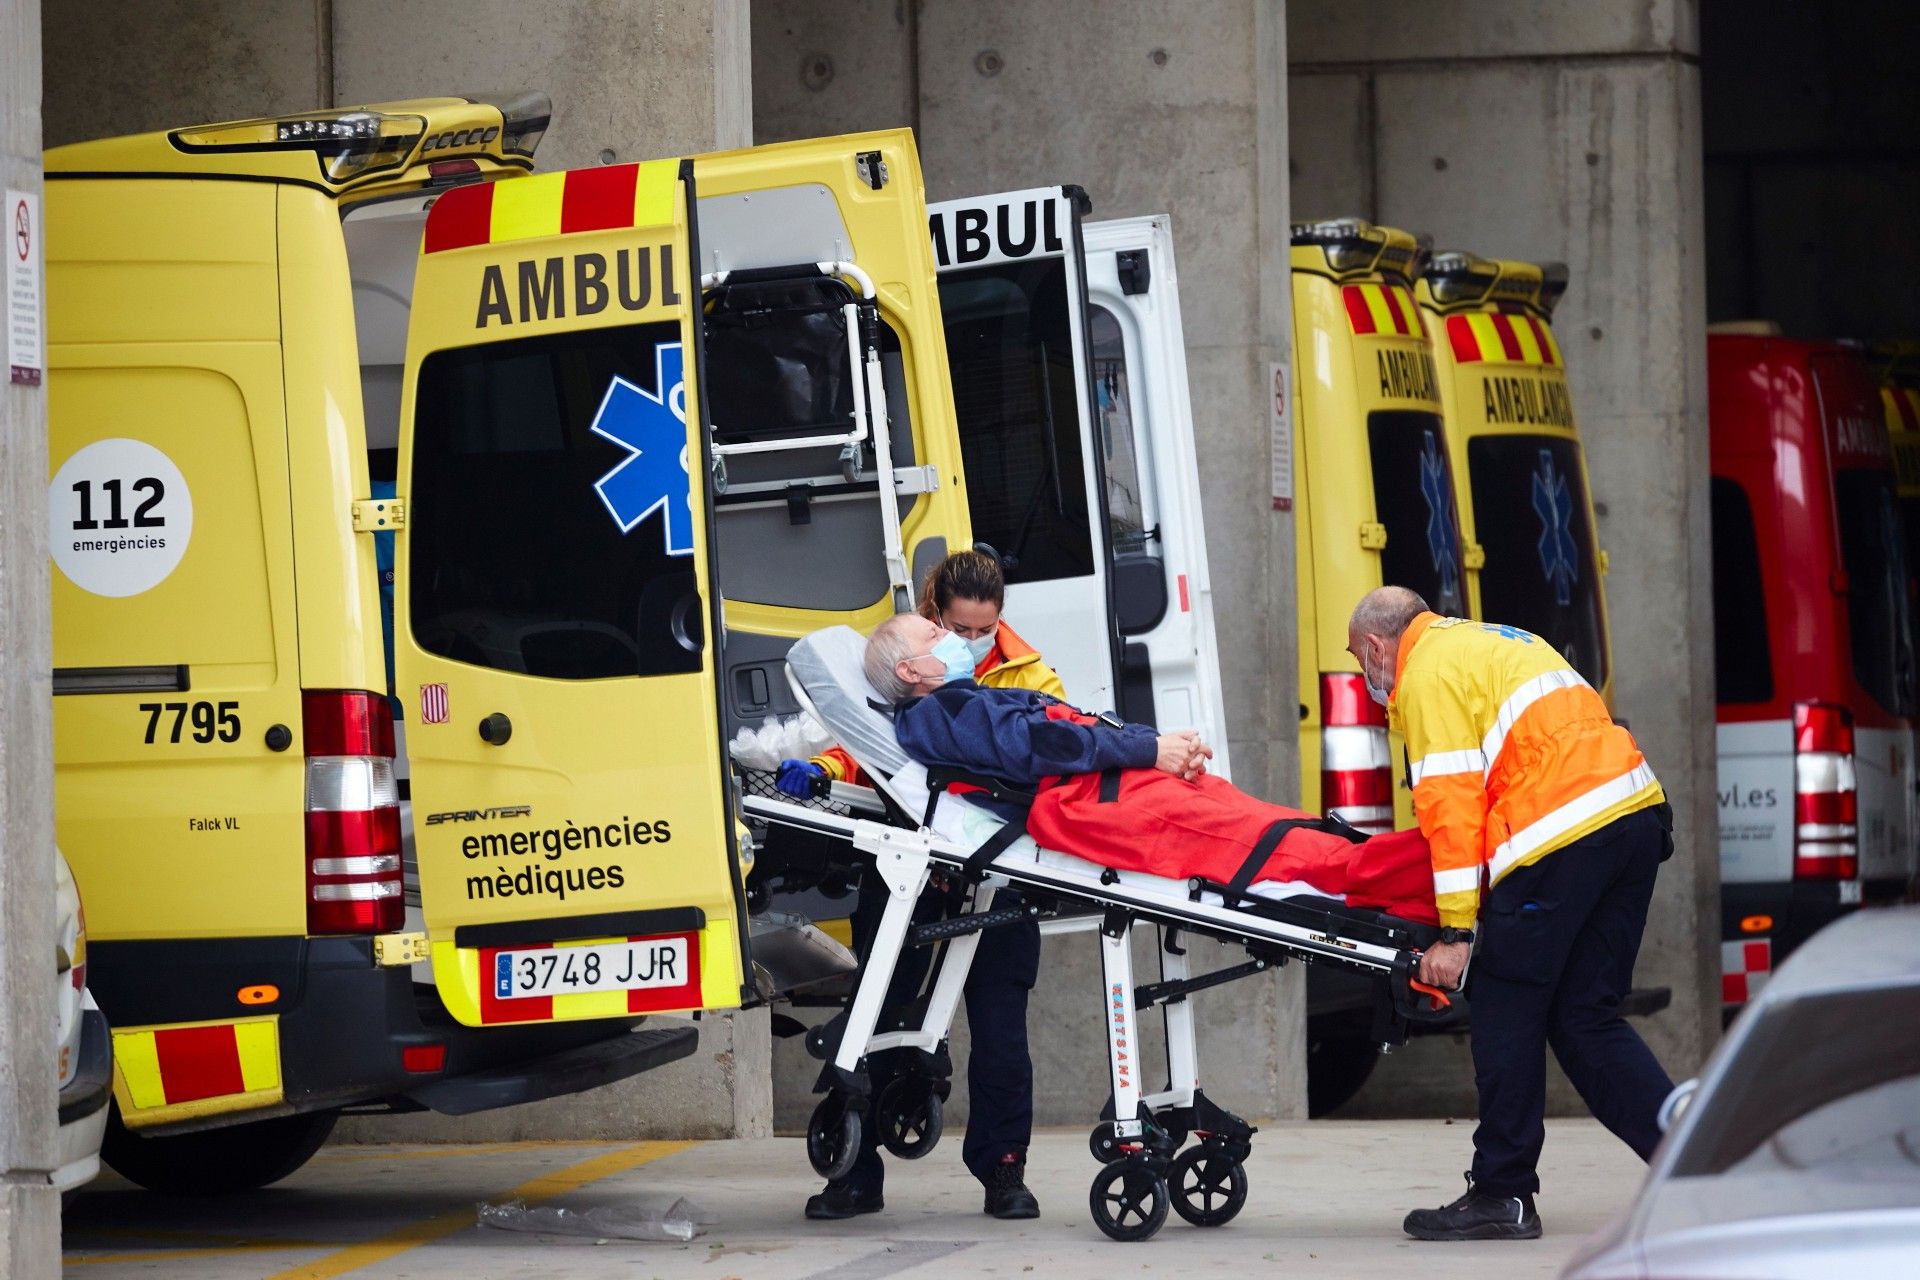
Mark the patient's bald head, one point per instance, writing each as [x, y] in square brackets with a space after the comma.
[899, 662]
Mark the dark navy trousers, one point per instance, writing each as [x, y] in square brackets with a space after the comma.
[999, 1066]
[1559, 938]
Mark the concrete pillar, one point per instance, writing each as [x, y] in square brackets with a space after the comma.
[630, 80]
[1153, 109]
[29, 1206]
[1566, 132]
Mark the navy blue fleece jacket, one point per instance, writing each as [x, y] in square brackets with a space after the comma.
[1006, 734]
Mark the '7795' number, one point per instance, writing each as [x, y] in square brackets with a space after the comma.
[210, 720]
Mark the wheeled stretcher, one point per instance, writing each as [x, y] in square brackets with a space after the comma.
[976, 841]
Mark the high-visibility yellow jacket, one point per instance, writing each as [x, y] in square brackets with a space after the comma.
[1512, 754]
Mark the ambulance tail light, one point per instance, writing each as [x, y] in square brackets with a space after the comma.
[1826, 802]
[1356, 767]
[353, 814]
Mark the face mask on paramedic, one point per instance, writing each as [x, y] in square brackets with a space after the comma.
[1379, 693]
[979, 646]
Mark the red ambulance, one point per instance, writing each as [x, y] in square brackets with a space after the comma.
[1814, 645]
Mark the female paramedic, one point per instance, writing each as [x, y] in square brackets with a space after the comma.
[964, 595]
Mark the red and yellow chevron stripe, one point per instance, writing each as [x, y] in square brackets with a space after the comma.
[1497, 337]
[177, 1072]
[1382, 309]
[551, 204]
[1903, 408]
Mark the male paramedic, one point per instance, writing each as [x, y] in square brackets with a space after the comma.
[1546, 826]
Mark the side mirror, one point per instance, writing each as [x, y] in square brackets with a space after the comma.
[1676, 1104]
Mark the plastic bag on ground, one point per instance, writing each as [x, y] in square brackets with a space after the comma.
[646, 1218]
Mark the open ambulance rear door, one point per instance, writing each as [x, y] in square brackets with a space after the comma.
[554, 605]
[1163, 598]
[1014, 303]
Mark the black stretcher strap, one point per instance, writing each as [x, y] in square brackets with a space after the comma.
[1110, 785]
[1262, 849]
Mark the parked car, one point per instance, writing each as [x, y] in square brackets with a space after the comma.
[85, 1049]
[1796, 1153]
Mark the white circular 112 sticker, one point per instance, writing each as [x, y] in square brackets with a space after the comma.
[118, 517]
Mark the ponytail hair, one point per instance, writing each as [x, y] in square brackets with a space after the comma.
[964, 575]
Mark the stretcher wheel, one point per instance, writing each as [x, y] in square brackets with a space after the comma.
[909, 1117]
[833, 1137]
[1209, 1187]
[1128, 1200]
[1104, 1144]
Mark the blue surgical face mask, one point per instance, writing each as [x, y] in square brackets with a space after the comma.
[1374, 691]
[981, 646]
[954, 654]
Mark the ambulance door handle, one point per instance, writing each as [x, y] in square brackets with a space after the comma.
[496, 729]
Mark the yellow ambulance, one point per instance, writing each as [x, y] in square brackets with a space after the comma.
[1374, 493]
[1527, 513]
[587, 428]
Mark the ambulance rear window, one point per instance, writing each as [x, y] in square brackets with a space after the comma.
[1873, 551]
[1413, 498]
[517, 562]
[1542, 571]
[1742, 658]
[1010, 350]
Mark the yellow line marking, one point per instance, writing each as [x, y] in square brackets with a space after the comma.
[341, 1155]
[438, 1227]
[196, 1237]
[172, 1255]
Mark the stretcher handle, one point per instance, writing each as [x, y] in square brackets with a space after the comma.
[1440, 999]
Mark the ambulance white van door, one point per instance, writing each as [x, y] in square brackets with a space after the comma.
[1163, 600]
[1013, 303]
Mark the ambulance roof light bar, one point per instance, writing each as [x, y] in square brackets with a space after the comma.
[1453, 277]
[351, 142]
[1553, 285]
[1351, 244]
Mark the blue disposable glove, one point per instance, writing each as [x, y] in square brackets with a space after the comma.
[797, 777]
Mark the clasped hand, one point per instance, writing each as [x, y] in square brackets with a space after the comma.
[1183, 755]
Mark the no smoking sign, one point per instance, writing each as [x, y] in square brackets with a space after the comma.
[26, 341]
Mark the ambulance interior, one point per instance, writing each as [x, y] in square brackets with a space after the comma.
[798, 516]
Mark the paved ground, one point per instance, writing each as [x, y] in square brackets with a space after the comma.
[1326, 1202]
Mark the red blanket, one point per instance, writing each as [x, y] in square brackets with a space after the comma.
[1164, 826]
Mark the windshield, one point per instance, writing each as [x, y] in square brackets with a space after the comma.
[1010, 350]
[1413, 498]
[1873, 550]
[1542, 571]
[1820, 1111]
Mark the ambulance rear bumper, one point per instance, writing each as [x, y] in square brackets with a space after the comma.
[345, 1025]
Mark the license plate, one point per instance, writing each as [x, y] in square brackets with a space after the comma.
[606, 966]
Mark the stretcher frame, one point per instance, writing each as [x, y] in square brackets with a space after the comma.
[1145, 1129]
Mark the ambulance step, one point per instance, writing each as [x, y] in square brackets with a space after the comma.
[587, 1067]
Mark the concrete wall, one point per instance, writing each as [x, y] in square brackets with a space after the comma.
[1812, 134]
[1565, 132]
[1153, 108]
[29, 1206]
[630, 79]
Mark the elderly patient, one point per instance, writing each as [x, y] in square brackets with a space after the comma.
[1123, 795]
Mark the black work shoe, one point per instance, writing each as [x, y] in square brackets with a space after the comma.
[1476, 1215]
[842, 1201]
[1007, 1194]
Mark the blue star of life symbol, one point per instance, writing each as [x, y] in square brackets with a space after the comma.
[1553, 503]
[1440, 524]
[652, 428]
[1507, 632]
